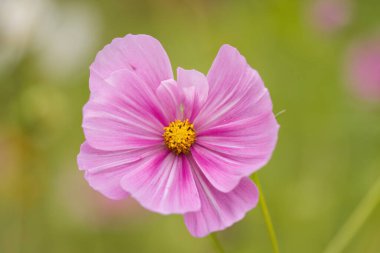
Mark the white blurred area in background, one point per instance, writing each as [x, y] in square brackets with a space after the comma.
[18, 20]
[60, 36]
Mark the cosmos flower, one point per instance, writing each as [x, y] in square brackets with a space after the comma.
[329, 16]
[177, 147]
[363, 68]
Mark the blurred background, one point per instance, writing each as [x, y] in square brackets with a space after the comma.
[320, 60]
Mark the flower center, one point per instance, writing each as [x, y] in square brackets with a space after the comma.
[179, 136]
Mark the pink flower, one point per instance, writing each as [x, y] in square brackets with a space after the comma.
[185, 146]
[330, 15]
[363, 69]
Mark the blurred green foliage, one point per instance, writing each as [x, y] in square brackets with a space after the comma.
[326, 159]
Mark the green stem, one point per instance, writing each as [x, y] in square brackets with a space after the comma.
[267, 218]
[216, 243]
[356, 220]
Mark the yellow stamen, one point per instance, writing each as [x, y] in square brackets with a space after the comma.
[179, 136]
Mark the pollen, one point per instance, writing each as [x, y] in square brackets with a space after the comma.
[179, 136]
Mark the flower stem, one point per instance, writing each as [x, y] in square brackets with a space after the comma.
[216, 243]
[267, 218]
[356, 220]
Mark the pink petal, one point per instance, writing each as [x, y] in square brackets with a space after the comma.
[123, 115]
[220, 210]
[170, 98]
[236, 128]
[94, 160]
[137, 93]
[235, 90]
[96, 81]
[104, 169]
[221, 171]
[107, 183]
[257, 136]
[195, 89]
[142, 54]
[163, 183]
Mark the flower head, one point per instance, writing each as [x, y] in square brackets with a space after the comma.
[330, 15]
[182, 146]
[363, 69]
[179, 136]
